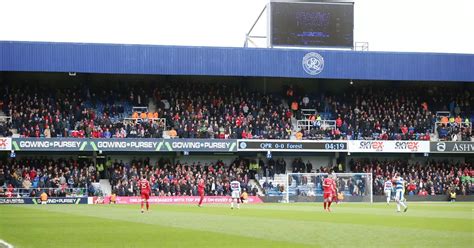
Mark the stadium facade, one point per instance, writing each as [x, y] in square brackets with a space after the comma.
[19, 57]
[218, 61]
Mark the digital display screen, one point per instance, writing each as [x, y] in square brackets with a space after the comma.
[312, 24]
[272, 145]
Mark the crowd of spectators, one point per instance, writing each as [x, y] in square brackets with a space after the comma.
[223, 111]
[179, 179]
[190, 110]
[453, 129]
[211, 110]
[269, 168]
[70, 177]
[56, 177]
[387, 113]
[74, 112]
[456, 126]
[432, 178]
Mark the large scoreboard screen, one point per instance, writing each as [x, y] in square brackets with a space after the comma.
[312, 24]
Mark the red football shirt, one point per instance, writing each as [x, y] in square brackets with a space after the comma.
[201, 187]
[144, 186]
[327, 185]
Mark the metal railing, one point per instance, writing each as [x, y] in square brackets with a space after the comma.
[441, 114]
[322, 124]
[139, 120]
[139, 109]
[308, 112]
[361, 46]
[129, 119]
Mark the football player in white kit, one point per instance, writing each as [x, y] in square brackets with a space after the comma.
[236, 190]
[399, 190]
[387, 189]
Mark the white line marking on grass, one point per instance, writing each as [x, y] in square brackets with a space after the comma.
[2, 242]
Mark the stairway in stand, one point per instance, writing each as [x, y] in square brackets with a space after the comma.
[105, 186]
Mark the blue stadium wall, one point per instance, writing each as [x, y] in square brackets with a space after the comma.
[179, 60]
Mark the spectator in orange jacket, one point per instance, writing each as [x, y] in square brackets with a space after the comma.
[444, 120]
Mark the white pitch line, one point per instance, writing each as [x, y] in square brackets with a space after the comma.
[2, 242]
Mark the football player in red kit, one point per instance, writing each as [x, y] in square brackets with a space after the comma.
[328, 189]
[145, 192]
[201, 187]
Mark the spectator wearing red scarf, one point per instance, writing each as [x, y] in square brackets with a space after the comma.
[221, 135]
[411, 188]
[244, 134]
[338, 122]
[238, 122]
[32, 173]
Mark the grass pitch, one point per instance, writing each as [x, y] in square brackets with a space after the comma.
[263, 225]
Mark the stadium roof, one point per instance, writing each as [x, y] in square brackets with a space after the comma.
[218, 61]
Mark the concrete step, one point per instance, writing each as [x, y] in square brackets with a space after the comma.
[105, 186]
[254, 183]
